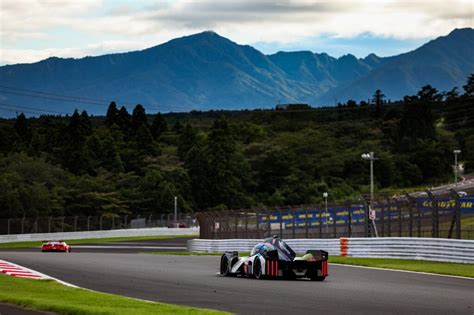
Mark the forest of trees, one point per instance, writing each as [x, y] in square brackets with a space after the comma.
[136, 163]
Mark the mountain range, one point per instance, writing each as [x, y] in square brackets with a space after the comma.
[207, 71]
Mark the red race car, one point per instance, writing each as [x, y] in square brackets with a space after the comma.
[55, 246]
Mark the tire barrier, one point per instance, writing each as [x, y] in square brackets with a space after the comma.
[432, 249]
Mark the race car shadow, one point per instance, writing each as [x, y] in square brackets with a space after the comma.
[273, 279]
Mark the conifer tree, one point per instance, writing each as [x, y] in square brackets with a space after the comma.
[158, 126]
[139, 117]
[112, 115]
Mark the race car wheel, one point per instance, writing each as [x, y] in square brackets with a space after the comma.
[224, 266]
[257, 270]
[315, 277]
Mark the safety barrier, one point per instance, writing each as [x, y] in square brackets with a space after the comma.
[433, 249]
[246, 245]
[98, 234]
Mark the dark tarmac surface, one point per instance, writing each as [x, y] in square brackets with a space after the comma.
[193, 281]
[8, 309]
[171, 245]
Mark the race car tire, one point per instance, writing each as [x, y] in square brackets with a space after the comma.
[317, 278]
[225, 270]
[257, 270]
[314, 276]
[69, 250]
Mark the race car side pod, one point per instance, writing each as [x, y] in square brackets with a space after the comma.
[271, 268]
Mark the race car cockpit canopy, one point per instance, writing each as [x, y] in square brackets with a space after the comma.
[274, 243]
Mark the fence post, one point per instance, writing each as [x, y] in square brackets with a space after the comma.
[413, 205]
[8, 225]
[258, 224]
[456, 221]
[294, 222]
[162, 220]
[36, 225]
[236, 223]
[349, 220]
[334, 221]
[280, 215]
[320, 223]
[113, 222]
[49, 224]
[389, 218]
[382, 218]
[62, 224]
[88, 223]
[246, 223]
[22, 225]
[306, 226]
[366, 220]
[75, 224]
[434, 214]
[400, 219]
[458, 218]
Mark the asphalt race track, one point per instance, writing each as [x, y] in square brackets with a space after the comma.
[193, 280]
[166, 244]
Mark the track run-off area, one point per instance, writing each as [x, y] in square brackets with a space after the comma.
[193, 281]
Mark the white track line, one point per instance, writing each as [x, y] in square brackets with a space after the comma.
[406, 271]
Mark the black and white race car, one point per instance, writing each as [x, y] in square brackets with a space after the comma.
[275, 259]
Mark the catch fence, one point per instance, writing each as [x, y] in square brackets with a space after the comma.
[448, 215]
[92, 223]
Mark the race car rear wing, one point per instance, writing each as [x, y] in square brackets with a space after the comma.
[319, 255]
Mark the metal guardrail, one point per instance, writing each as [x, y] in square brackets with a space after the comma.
[433, 249]
[246, 245]
[97, 234]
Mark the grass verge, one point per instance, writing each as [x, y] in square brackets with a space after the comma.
[444, 268]
[92, 241]
[48, 295]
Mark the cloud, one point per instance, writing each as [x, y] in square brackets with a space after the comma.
[12, 55]
[149, 22]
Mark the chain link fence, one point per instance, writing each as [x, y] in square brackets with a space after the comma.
[446, 215]
[92, 223]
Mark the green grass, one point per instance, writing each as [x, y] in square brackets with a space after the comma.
[454, 269]
[92, 241]
[465, 270]
[48, 295]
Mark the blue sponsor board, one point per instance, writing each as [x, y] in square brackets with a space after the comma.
[340, 215]
[314, 217]
[467, 204]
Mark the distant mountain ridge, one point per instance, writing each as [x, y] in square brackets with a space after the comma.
[207, 71]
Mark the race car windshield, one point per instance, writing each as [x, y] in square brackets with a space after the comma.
[284, 251]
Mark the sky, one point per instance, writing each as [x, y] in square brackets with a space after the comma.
[33, 30]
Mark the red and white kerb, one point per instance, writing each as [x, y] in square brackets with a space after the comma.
[15, 270]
